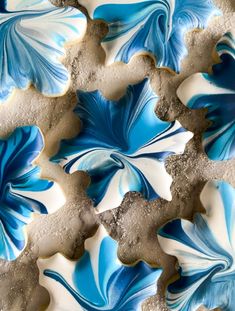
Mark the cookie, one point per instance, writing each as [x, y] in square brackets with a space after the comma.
[123, 146]
[33, 36]
[23, 192]
[216, 92]
[98, 280]
[155, 27]
[205, 250]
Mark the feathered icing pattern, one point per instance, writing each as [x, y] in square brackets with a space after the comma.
[22, 192]
[122, 146]
[205, 250]
[33, 35]
[98, 280]
[153, 26]
[216, 92]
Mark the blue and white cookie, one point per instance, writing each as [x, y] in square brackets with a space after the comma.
[33, 35]
[98, 280]
[216, 92]
[123, 146]
[156, 27]
[205, 250]
[22, 191]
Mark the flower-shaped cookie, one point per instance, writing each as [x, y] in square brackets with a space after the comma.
[98, 280]
[205, 250]
[122, 146]
[22, 192]
[149, 26]
[216, 92]
[33, 35]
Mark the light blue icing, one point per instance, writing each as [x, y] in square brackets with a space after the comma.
[219, 138]
[206, 254]
[18, 174]
[116, 138]
[117, 288]
[154, 26]
[32, 42]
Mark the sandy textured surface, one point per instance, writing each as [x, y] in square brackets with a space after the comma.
[135, 223]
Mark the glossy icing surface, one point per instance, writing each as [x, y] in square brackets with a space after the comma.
[216, 92]
[22, 192]
[205, 251]
[33, 35]
[122, 146]
[98, 280]
[149, 26]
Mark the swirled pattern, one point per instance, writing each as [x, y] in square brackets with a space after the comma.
[153, 26]
[205, 250]
[216, 92]
[33, 35]
[98, 280]
[22, 192]
[122, 146]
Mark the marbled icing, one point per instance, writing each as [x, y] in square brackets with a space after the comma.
[123, 146]
[149, 26]
[205, 251]
[22, 192]
[98, 280]
[216, 92]
[33, 35]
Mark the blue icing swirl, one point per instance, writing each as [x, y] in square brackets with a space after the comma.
[205, 250]
[153, 26]
[19, 179]
[99, 281]
[219, 138]
[33, 35]
[122, 146]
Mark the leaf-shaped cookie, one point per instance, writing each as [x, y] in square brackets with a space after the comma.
[149, 26]
[98, 280]
[22, 192]
[122, 146]
[33, 35]
[205, 250]
[216, 92]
